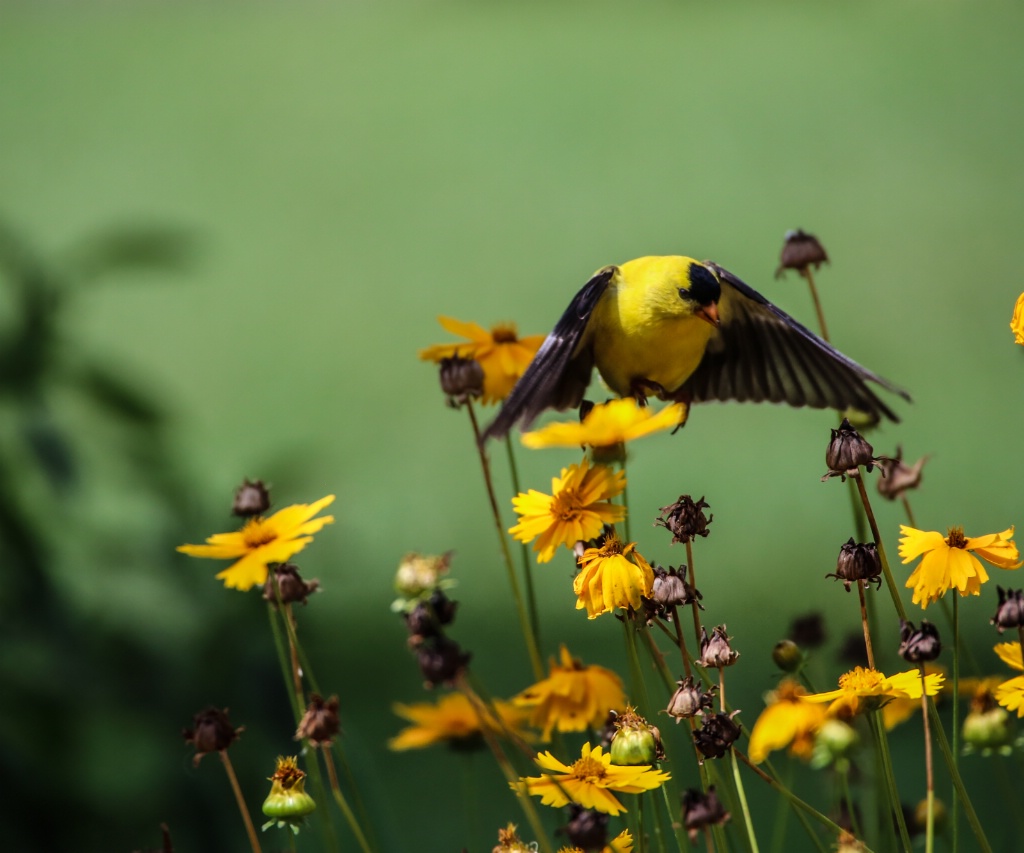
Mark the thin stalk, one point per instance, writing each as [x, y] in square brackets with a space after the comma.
[864, 622]
[326, 823]
[289, 619]
[747, 821]
[641, 832]
[954, 799]
[844, 784]
[254, 840]
[346, 810]
[513, 581]
[531, 596]
[807, 274]
[782, 815]
[677, 825]
[283, 661]
[693, 583]
[958, 782]
[886, 571]
[882, 744]
[929, 844]
[908, 511]
[798, 805]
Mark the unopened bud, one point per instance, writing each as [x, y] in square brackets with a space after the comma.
[918, 645]
[858, 562]
[847, 451]
[636, 741]
[288, 801]
[787, 656]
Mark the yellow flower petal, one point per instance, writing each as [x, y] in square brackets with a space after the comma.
[1009, 653]
[608, 424]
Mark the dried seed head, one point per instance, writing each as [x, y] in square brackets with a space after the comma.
[1010, 612]
[685, 519]
[290, 583]
[858, 562]
[919, 645]
[689, 700]
[320, 723]
[898, 477]
[847, 451]
[211, 732]
[587, 829]
[702, 810]
[718, 733]
[461, 379]
[715, 650]
[787, 656]
[800, 250]
[441, 662]
[251, 498]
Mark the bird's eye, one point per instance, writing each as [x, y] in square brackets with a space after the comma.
[685, 295]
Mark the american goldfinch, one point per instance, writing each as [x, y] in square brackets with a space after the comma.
[679, 329]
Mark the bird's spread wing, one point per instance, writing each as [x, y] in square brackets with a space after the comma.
[761, 353]
[558, 374]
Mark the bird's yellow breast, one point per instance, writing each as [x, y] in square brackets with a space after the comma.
[641, 328]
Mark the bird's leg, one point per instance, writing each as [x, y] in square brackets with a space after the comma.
[585, 407]
[640, 389]
[683, 397]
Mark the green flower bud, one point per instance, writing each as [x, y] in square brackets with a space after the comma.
[288, 800]
[986, 730]
[635, 742]
[787, 656]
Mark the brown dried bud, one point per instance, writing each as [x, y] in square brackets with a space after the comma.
[787, 656]
[441, 662]
[251, 498]
[586, 829]
[689, 700]
[461, 379]
[427, 617]
[320, 723]
[702, 810]
[898, 477]
[847, 451]
[685, 519]
[716, 735]
[1010, 612]
[919, 644]
[858, 562]
[211, 732]
[290, 584]
[800, 251]
[715, 650]
[808, 631]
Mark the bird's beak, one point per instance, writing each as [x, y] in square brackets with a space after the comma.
[709, 313]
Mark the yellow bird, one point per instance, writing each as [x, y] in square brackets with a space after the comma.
[679, 329]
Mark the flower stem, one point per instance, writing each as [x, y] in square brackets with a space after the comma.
[798, 805]
[929, 844]
[249, 828]
[283, 661]
[864, 622]
[693, 583]
[885, 759]
[807, 274]
[893, 591]
[339, 798]
[748, 822]
[954, 799]
[524, 619]
[531, 596]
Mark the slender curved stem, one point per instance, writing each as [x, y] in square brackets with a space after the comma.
[254, 840]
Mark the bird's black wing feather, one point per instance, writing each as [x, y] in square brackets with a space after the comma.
[761, 353]
[558, 374]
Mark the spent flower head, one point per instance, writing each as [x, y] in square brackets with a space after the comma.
[702, 810]
[800, 250]
[918, 645]
[320, 724]
[577, 509]
[462, 380]
[858, 562]
[847, 451]
[685, 519]
[949, 562]
[262, 541]
[716, 735]
[502, 354]
[573, 697]
[898, 477]
[591, 781]
[715, 651]
[689, 700]
[1010, 612]
[251, 498]
[211, 732]
[290, 585]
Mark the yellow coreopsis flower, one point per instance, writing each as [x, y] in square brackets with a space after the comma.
[453, 719]
[262, 541]
[608, 424]
[577, 509]
[862, 690]
[949, 562]
[573, 697]
[612, 576]
[786, 721]
[1017, 322]
[589, 781]
[621, 843]
[898, 710]
[503, 356]
[1010, 694]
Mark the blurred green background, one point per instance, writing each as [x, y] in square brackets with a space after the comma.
[308, 186]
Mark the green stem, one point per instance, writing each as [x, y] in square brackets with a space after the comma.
[346, 810]
[524, 553]
[513, 581]
[748, 822]
[958, 782]
[798, 805]
[327, 824]
[954, 799]
[882, 745]
[282, 659]
[886, 571]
